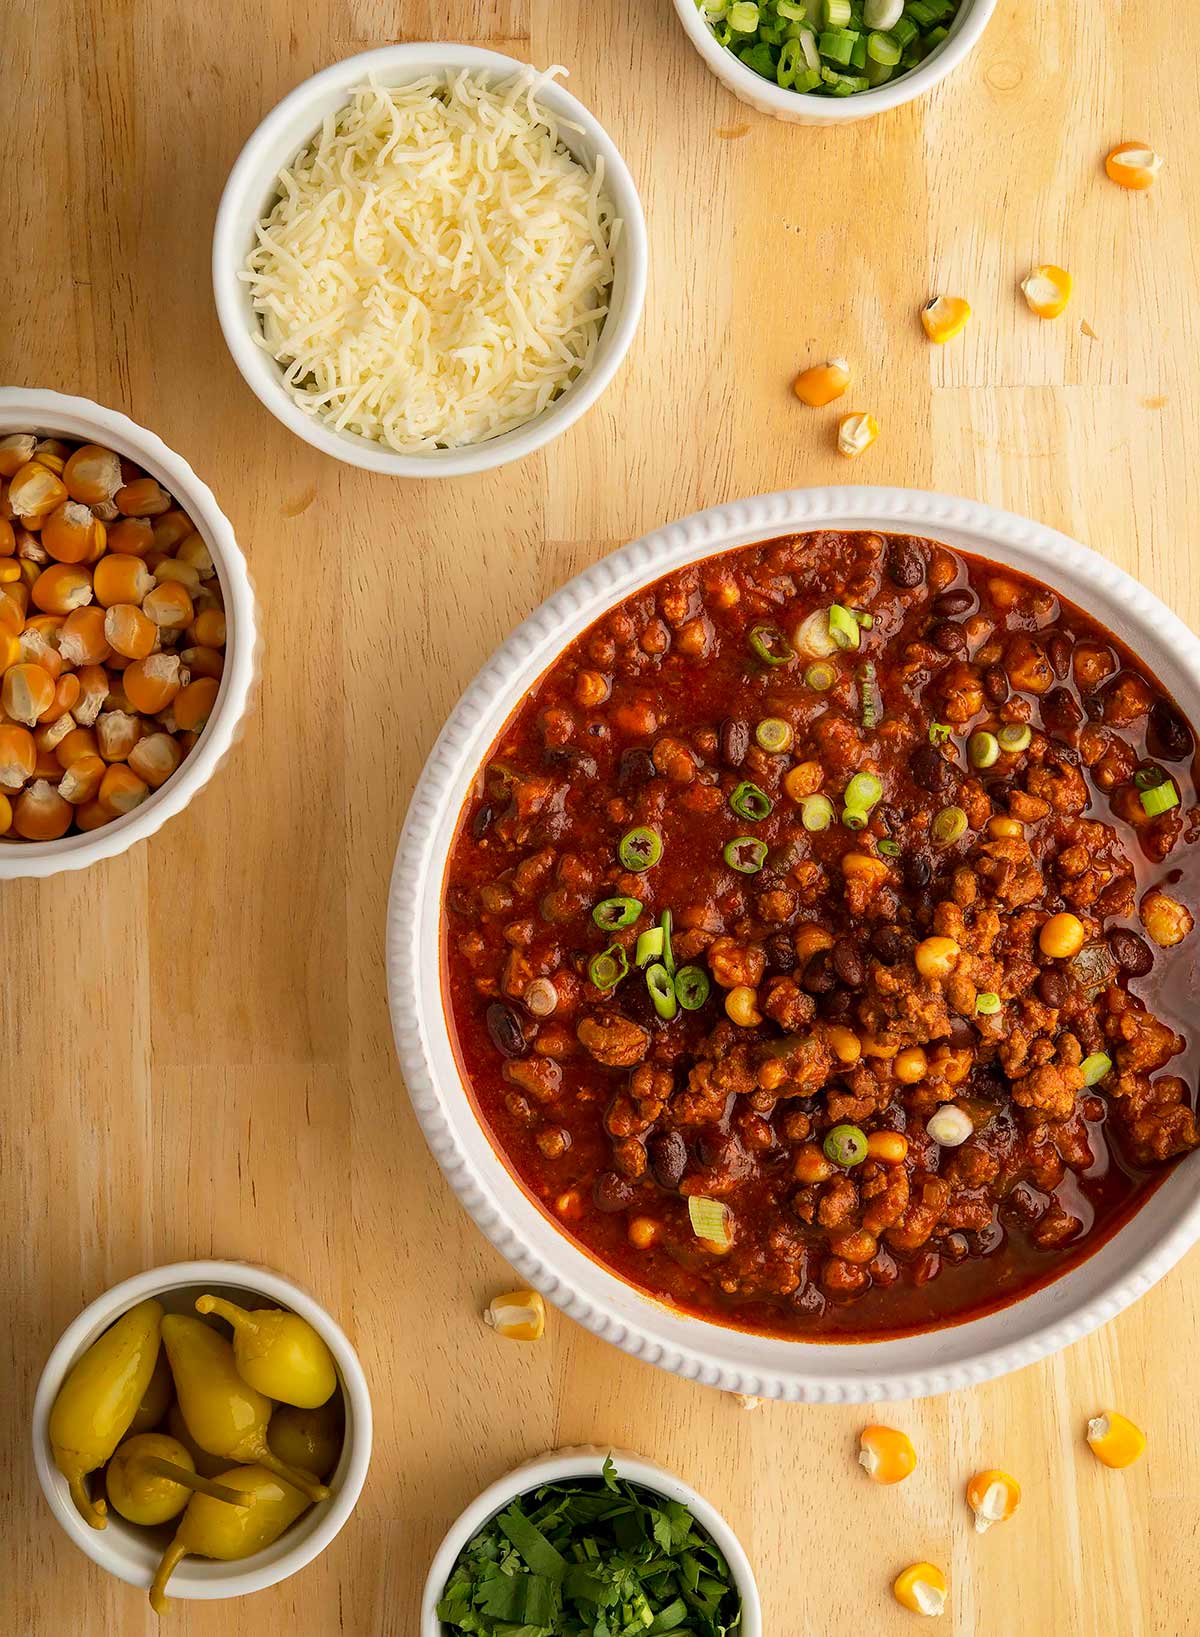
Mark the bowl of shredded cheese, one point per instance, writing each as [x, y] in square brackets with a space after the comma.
[429, 260]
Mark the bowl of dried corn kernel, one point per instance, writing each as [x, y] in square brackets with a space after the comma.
[127, 633]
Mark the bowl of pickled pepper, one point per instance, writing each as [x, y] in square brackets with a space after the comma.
[202, 1430]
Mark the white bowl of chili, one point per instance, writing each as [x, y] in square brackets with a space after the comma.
[930, 1361]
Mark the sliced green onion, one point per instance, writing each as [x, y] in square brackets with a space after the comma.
[921, 13]
[939, 733]
[935, 37]
[746, 854]
[789, 61]
[1147, 778]
[904, 32]
[1161, 799]
[882, 13]
[710, 1220]
[846, 1145]
[983, 749]
[889, 848]
[789, 9]
[749, 802]
[649, 946]
[855, 818]
[836, 45]
[812, 635]
[843, 627]
[640, 849]
[743, 16]
[868, 698]
[837, 13]
[878, 73]
[770, 645]
[820, 677]
[612, 913]
[1015, 737]
[607, 970]
[668, 954]
[774, 734]
[948, 826]
[692, 987]
[662, 991]
[808, 45]
[809, 80]
[816, 812]
[864, 790]
[864, 619]
[1095, 1067]
[987, 1003]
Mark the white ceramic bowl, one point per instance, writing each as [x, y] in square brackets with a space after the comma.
[132, 1554]
[250, 192]
[588, 1463]
[807, 109]
[53, 414]
[956, 1356]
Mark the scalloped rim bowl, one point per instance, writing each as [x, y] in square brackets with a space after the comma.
[587, 1461]
[252, 186]
[908, 1367]
[798, 108]
[56, 415]
[131, 1553]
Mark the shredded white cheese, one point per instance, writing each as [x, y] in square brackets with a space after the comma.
[437, 266]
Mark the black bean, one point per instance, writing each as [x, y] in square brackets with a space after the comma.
[906, 562]
[929, 770]
[481, 821]
[1131, 953]
[888, 944]
[1167, 734]
[961, 1033]
[613, 1192]
[781, 954]
[1060, 712]
[952, 603]
[848, 963]
[918, 870]
[995, 684]
[1053, 987]
[635, 767]
[947, 636]
[838, 1007]
[1058, 652]
[735, 742]
[668, 1158]
[819, 977]
[504, 1027]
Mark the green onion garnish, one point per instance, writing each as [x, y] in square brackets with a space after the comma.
[868, 698]
[1146, 778]
[613, 913]
[816, 812]
[749, 802]
[864, 790]
[1095, 1067]
[843, 627]
[1015, 737]
[812, 635]
[837, 13]
[743, 16]
[939, 733]
[855, 818]
[668, 954]
[882, 49]
[774, 734]
[948, 826]
[640, 848]
[746, 854]
[983, 749]
[710, 1220]
[987, 1003]
[820, 677]
[607, 970]
[692, 987]
[1160, 799]
[770, 645]
[846, 1145]
[882, 13]
[662, 991]
[889, 848]
[649, 946]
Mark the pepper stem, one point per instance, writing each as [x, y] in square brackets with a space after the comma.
[234, 1315]
[296, 1476]
[170, 1561]
[193, 1480]
[93, 1511]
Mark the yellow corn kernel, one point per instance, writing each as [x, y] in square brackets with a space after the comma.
[81, 781]
[208, 628]
[993, 1497]
[1166, 920]
[154, 758]
[181, 573]
[78, 743]
[888, 1147]
[121, 790]
[18, 756]
[34, 492]
[92, 474]
[40, 813]
[809, 1164]
[203, 661]
[16, 450]
[93, 691]
[128, 631]
[9, 572]
[61, 588]
[121, 578]
[27, 693]
[116, 734]
[921, 1588]
[6, 815]
[1005, 829]
[856, 433]
[643, 1232]
[864, 867]
[844, 1043]
[1133, 165]
[1114, 1440]
[944, 317]
[741, 1006]
[131, 537]
[910, 1065]
[169, 605]
[52, 453]
[91, 816]
[142, 498]
[886, 1455]
[936, 957]
[193, 705]
[518, 1316]
[1062, 937]
[822, 383]
[193, 551]
[1047, 289]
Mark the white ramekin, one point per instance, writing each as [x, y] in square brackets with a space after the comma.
[251, 189]
[955, 1356]
[132, 1554]
[588, 1462]
[54, 415]
[804, 108]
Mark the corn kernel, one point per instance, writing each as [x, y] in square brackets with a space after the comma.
[154, 758]
[40, 813]
[741, 1006]
[888, 1147]
[6, 815]
[76, 744]
[193, 705]
[886, 1455]
[92, 474]
[208, 628]
[856, 433]
[1062, 937]
[27, 693]
[131, 537]
[93, 686]
[116, 734]
[18, 755]
[121, 579]
[121, 790]
[844, 1043]
[34, 493]
[128, 631]
[81, 781]
[1133, 165]
[921, 1588]
[810, 1165]
[643, 1232]
[1166, 920]
[822, 383]
[936, 957]
[152, 683]
[945, 317]
[61, 588]
[169, 605]
[16, 450]
[993, 1497]
[1047, 290]
[1114, 1440]
[142, 498]
[518, 1316]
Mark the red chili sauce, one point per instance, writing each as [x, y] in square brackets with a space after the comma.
[938, 1062]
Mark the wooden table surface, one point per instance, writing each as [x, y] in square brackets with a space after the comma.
[196, 1050]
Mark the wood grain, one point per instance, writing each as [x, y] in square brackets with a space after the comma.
[197, 1057]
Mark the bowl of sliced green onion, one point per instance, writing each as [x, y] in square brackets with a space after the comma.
[819, 62]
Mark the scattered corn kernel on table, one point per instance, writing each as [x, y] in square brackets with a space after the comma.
[197, 1051]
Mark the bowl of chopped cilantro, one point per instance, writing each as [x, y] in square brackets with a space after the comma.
[591, 1543]
[820, 62]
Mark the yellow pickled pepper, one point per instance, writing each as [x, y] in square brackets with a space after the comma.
[151, 1478]
[279, 1353]
[210, 1528]
[223, 1413]
[309, 1439]
[99, 1398]
[156, 1398]
[205, 1464]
